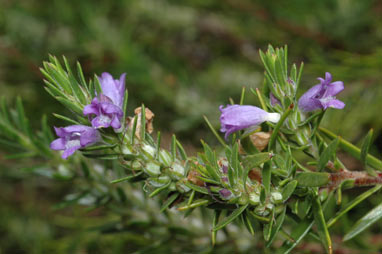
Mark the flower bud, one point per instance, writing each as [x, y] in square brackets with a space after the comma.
[152, 169]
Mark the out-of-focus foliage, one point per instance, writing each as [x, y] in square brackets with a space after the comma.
[183, 59]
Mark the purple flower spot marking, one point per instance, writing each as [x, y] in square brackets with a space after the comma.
[74, 137]
[322, 96]
[237, 117]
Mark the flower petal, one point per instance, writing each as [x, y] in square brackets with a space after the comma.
[115, 123]
[76, 128]
[91, 109]
[58, 144]
[89, 137]
[70, 151]
[101, 121]
[110, 88]
[334, 103]
[109, 108]
[60, 131]
[334, 88]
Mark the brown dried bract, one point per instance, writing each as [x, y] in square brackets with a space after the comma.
[260, 139]
[193, 177]
[255, 175]
[149, 115]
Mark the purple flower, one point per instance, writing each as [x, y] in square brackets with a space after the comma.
[74, 137]
[114, 89]
[323, 95]
[107, 113]
[108, 105]
[237, 117]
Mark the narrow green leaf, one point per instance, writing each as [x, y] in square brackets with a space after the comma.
[113, 156]
[352, 149]
[81, 75]
[100, 147]
[366, 146]
[299, 75]
[267, 64]
[196, 188]
[135, 122]
[214, 132]
[182, 152]
[22, 119]
[124, 108]
[224, 222]
[143, 122]
[76, 89]
[365, 222]
[66, 119]
[46, 129]
[214, 222]
[299, 232]
[127, 178]
[20, 155]
[211, 164]
[191, 198]
[266, 174]
[327, 154]
[267, 230]
[196, 203]
[173, 147]
[293, 72]
[97, 85]
[258, 217]
[276, 227]
[312, 179]
[352, 204]
[70, 105]
[235, 160]
[289, 189]
[248, 223]
[242, 95]
[158, 145]
[169, 201]
[321, 225]
[283, 117]
[160, 189]
[256, 160]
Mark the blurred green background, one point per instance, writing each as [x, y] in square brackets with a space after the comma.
[183, 59]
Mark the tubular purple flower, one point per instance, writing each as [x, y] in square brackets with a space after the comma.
[74, 137]
[237, 117]
[114, 89]
[108, 105]
[107, 113]
[322, 96]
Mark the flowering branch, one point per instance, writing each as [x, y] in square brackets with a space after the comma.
[266, 190]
